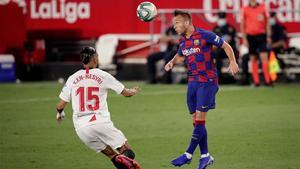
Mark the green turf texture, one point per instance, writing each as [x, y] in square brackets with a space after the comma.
[251, 128]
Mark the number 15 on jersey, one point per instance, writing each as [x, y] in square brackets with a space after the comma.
[88, 98]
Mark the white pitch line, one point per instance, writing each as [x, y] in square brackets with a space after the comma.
[29, 100]
[47, 99]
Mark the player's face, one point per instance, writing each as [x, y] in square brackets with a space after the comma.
[180, 24]
[252, 2]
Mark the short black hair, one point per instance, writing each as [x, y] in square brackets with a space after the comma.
[222, 14]
[272, 14]
[86, 54]
[183, 13]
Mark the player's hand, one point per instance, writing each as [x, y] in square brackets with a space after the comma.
[169, 66]
[60, 117]
[128, 92]
[136, 89]
[233, 68]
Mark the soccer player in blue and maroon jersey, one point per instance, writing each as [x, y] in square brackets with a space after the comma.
[195, 49]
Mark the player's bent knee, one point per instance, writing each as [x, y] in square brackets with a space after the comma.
[129, 153]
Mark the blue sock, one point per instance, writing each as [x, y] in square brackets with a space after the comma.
[195, 140]
[203, 141]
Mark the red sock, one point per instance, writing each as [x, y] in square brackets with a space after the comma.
[255, 75]
[265, 67]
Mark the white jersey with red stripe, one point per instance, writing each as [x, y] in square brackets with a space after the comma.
[88, 89]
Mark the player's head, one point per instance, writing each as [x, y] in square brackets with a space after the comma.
[181, 21]
[221, 19]
[89, 56]
[253, 3]
[222, 15]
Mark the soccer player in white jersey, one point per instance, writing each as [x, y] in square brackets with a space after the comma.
[87, 89]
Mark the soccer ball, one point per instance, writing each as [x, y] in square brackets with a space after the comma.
[146, 11]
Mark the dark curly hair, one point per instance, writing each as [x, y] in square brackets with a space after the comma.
[86, 54]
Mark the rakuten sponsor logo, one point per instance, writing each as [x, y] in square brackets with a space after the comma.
[187, 52]
[59, 9]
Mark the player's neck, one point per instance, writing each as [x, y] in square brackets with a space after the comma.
[190, 31]
[90, 66]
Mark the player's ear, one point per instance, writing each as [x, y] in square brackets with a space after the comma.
[95, 60]
[186, 23]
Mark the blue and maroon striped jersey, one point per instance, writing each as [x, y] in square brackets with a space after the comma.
[199, 57]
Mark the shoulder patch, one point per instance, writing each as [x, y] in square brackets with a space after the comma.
[217, 39]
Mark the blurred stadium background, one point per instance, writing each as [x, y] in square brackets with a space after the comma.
[45, 37]
[39, 45]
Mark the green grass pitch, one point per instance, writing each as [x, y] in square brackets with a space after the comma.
[251, 128]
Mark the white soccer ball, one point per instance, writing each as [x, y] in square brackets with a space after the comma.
[61, 80]
[146, 11]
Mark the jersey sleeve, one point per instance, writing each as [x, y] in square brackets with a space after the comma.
[113, 84]
[214, 39]
[65, 93]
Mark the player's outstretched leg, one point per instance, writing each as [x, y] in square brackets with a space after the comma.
[205, 160]
[186, 158]
[198, 134]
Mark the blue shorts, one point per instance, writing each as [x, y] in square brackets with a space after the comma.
[201, 96]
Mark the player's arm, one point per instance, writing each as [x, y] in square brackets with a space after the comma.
[268, 29]
[242, 28]
[176, 59]
[233, 66]
[65, 97]
[215, 40]
[128, 92]
[60, 110]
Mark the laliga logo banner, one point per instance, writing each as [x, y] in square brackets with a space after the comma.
[54, 9]
[60, 9]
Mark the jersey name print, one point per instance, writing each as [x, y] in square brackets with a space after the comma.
[87, 76]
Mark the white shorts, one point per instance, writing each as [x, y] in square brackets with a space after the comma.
[98, 136]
